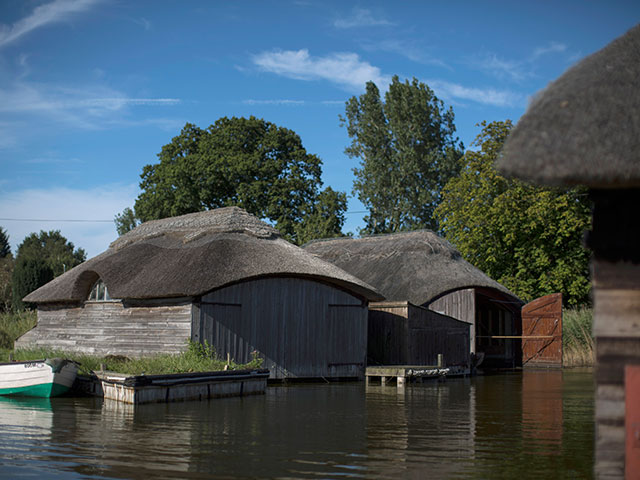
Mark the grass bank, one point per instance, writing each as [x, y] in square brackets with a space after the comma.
[195, 358]
[578, 340]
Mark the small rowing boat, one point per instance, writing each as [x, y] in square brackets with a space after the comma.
[37, 378]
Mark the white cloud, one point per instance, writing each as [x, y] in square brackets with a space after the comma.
[34, 206]
[553, 47]
[361, 17]
[344, 69]
[55, 11]
[407, 50]
[486, 96]
[501, 68]
[84, 106]
[284, 102]
[517, 70]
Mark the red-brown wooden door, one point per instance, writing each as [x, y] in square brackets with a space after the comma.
[542, 332]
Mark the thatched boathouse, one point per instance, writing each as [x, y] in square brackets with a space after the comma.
[584, 129]
[425, 274]
[221, 276]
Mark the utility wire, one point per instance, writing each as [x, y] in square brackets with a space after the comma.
[99, 221]
[51, 220]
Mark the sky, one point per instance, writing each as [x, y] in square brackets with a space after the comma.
[90, 90]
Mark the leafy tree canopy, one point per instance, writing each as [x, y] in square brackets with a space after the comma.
[126, 221]
[247, 162]
[528, 238]
[5, 248]
[407, 153]
[54, 249]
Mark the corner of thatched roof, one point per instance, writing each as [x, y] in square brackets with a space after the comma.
[417, 266]
[584, 128]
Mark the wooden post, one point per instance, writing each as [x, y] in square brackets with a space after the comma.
[440, 360]
[615, 241]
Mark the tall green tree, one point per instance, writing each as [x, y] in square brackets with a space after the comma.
[528, 238]
[126, 221]
[407, 152]
[246, 162]
[5, 248]
[54, 249]
[40, 258]
[29, 274]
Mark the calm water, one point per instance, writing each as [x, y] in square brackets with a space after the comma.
[522, 425]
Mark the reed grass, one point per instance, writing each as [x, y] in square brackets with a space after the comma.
[14, 324]
[578, 342]
[196, 358]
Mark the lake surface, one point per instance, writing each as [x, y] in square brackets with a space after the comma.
[534, 424]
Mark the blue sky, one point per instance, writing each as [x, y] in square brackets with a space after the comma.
[90, 90]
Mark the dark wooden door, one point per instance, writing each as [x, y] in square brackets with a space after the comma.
[542, 332]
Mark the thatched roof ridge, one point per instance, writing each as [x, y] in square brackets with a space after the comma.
[191, 255]
[584, 128]
[416, 266]
[194, 225]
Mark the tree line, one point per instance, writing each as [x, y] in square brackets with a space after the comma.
[413, 173]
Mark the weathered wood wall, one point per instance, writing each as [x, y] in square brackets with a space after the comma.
[617, 330]
[111, 328]
[388, 333]
[301, 328]
[404, 334]
[431, 333]
[460, 305]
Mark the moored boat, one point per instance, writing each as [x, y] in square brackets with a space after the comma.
[37, 378]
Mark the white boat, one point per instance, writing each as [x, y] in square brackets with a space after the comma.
[37, 378]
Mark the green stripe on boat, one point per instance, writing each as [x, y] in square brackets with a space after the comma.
[41, 390]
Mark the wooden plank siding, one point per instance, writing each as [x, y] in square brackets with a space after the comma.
[401, 333]
[301, 328]
[460, 305]
[111, 328]
[388, 334]
[616, 299]
[431, 333]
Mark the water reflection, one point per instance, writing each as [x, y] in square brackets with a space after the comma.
[528, 425]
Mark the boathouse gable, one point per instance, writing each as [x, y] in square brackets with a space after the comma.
[425, 272]
[299, 327]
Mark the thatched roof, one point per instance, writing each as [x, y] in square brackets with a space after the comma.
[416, 266]
[193, 254]
[584, 128]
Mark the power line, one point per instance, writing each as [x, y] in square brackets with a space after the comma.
[52, 220]
[84, 220]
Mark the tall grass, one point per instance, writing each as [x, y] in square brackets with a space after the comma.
[12, 325]
[577, 337]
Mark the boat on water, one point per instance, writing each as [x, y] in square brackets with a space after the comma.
[37, 378]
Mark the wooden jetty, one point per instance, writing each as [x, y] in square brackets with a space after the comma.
[139, 389]
[401, 374]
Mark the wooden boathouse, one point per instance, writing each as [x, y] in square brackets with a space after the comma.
[584, 129]
[438, 297]
[222, 277]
